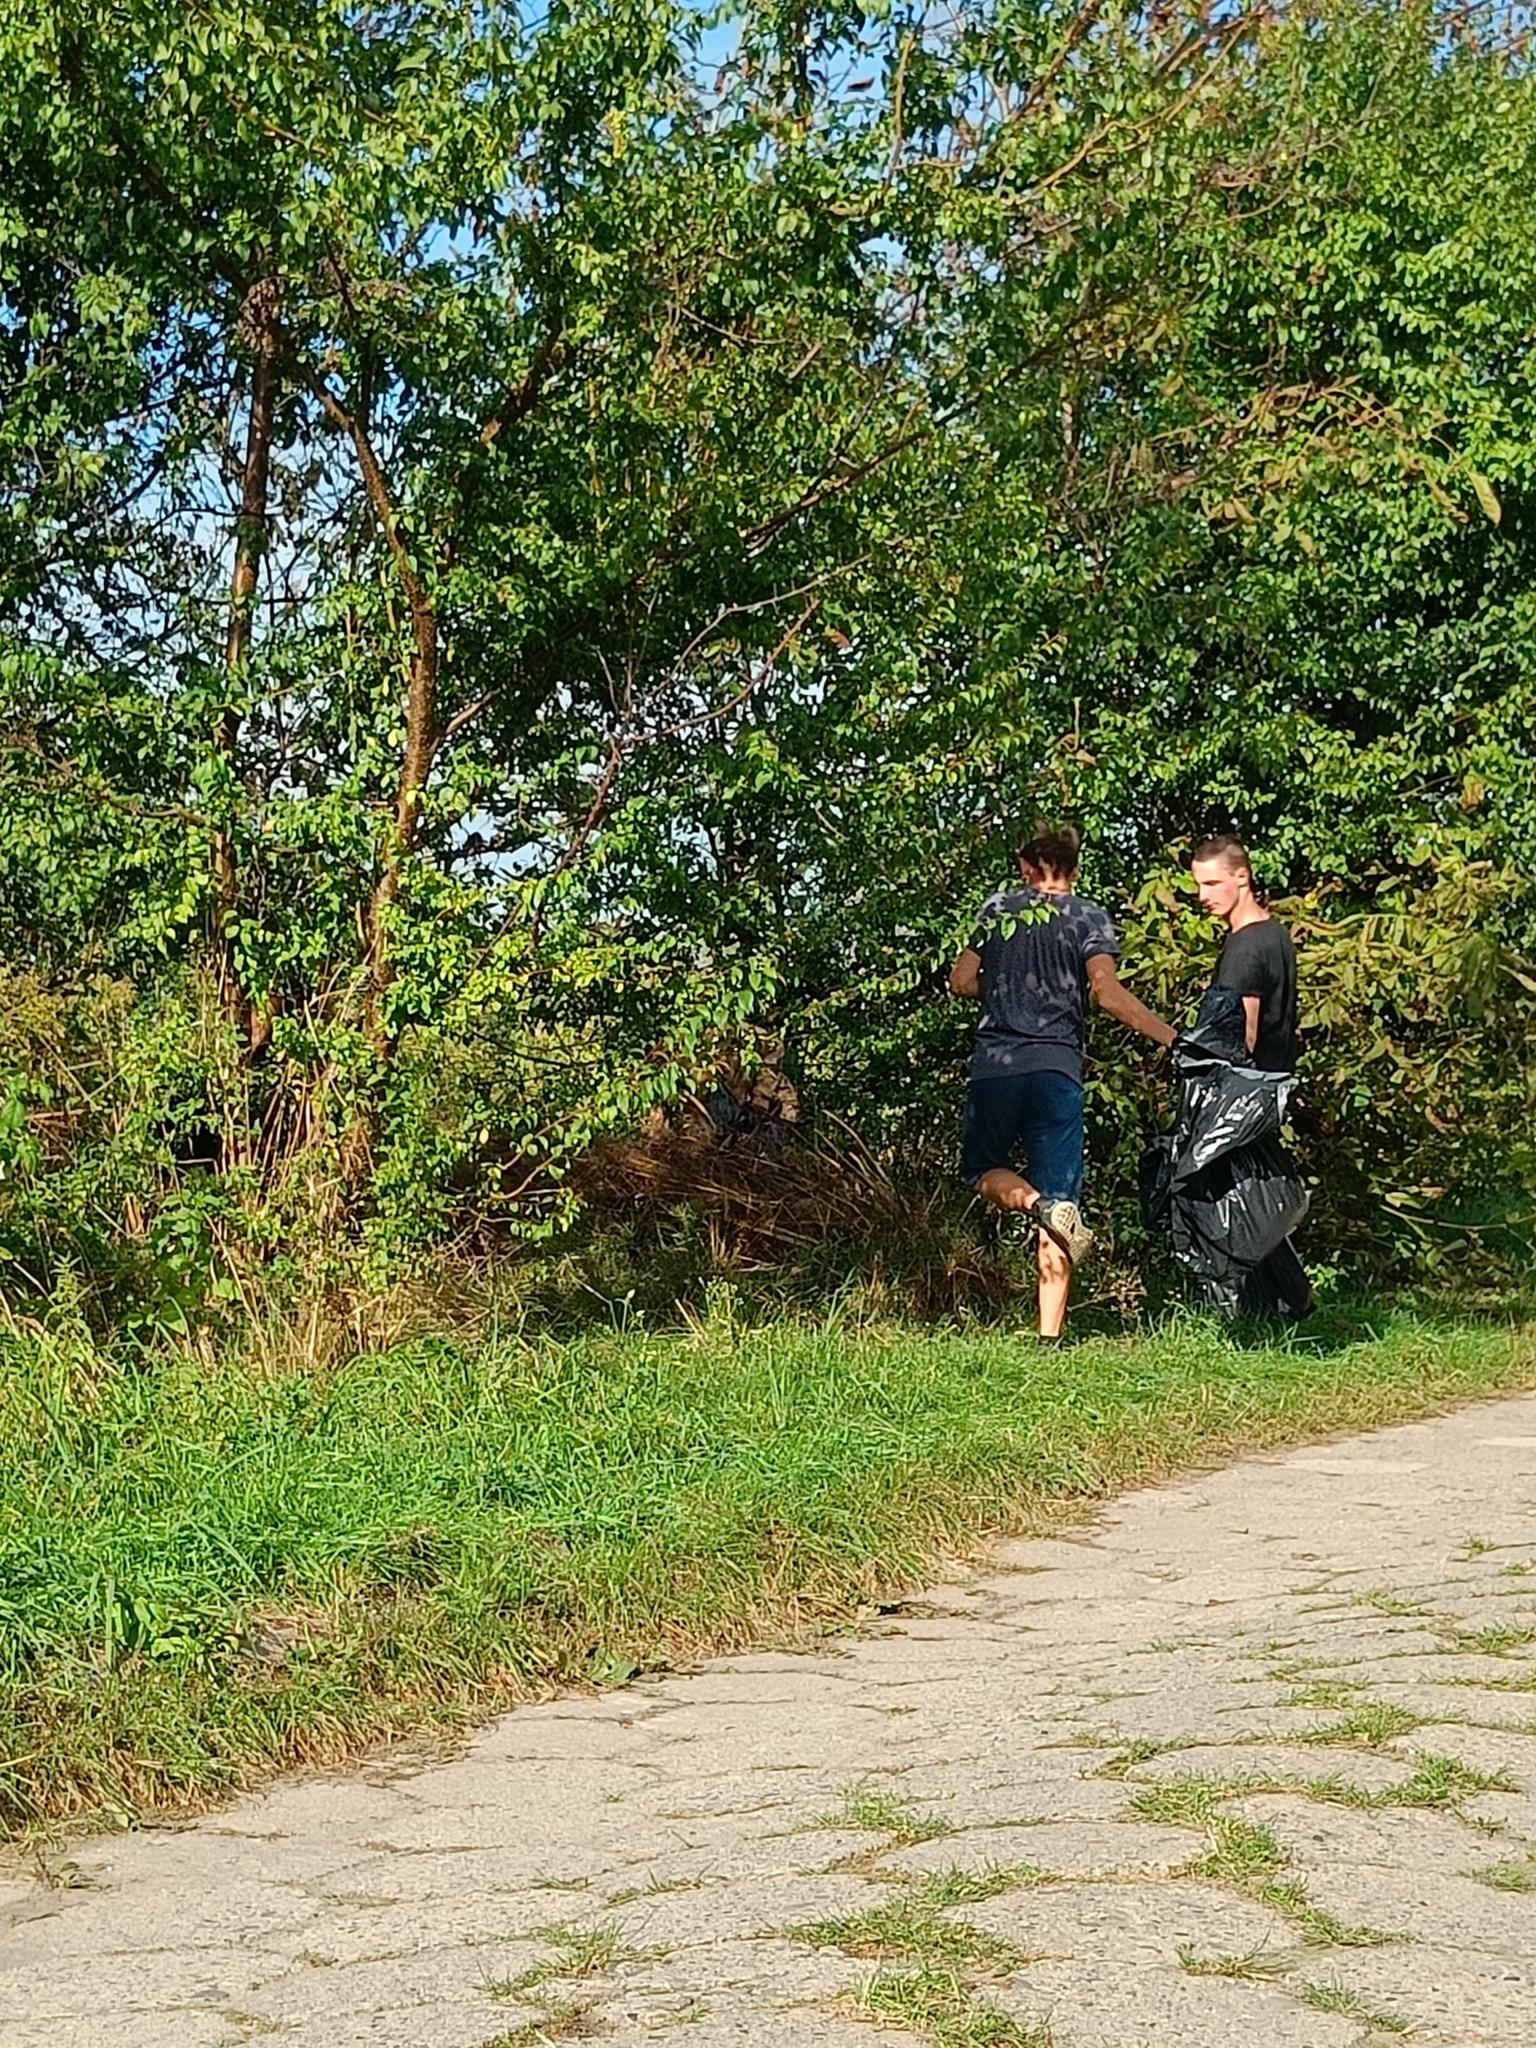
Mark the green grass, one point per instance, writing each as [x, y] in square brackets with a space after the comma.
[567, 2021]
[1368, 1725]
[942, 2008]
[1338, 1998]
[912, 1925]
[1245, 1856]
[877, 1813]
[910, 1928]
[576, 1952]
[1507, 1877]
[1255, 1965]
[1443, 1782]
[1341, 1694]
[208, 1572]
[1496, 1641]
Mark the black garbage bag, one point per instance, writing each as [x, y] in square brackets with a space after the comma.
[1220, 1181]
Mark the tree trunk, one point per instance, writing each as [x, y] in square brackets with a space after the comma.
[258, 329]
[421, 744]
[422, 733]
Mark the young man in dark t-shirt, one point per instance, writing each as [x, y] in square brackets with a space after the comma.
[1035, 954]
[1258, 959]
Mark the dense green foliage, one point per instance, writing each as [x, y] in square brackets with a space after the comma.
[208, 1571]
[534, 555]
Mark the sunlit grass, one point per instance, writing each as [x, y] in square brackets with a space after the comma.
[208, 1571]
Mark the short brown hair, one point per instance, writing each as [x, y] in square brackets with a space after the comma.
[1053, 849]
[1223, 846]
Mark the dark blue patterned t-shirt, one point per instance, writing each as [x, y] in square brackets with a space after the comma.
[1034, 952]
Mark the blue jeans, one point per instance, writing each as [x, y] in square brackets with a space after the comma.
[1030, 1124]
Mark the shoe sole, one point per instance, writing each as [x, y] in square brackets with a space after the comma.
[1076, 1251]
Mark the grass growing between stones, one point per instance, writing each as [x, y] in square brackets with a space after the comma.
[1338, 1998]
[1496, 1641]
[913, 1926]
[1507, 1877]
[211, 1572]
[566, 2021]
[1337, 1694]
[1245, 1857]
[577, 1952]
[1257, 1965]
[1367, 1726]
[941, 2007]
[878, 1813]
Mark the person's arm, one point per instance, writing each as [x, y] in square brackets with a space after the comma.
[1252, 1006]
[965, 975]
[1116, 1001]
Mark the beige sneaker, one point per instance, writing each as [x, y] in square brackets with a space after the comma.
[1063, 1222]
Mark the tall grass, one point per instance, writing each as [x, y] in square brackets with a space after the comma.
[207, 1572]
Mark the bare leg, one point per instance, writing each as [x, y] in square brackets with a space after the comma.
[1055, 1286]
[1010, 1191]
[1005, 1190]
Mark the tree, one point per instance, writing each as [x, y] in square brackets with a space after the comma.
[530, 553]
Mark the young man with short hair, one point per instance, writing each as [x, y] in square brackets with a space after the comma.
[1036, 952]
[1258, 960]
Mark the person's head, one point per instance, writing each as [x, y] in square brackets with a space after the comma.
[1223, 875]
[1049, 855]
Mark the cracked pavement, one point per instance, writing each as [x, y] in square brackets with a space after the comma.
[1250, 1756]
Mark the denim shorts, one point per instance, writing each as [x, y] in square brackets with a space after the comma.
[1026, 1123]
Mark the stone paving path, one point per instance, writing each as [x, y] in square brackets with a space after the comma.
[1251, 1759]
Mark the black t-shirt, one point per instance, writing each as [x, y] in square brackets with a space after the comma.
[1034, 952]
[1259, 960]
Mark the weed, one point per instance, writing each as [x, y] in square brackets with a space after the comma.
[578, 1952]
[1350, 2006]
[912, 1925]
[940, 2006]
[1370, 1725]
[657, 1888]
[876, 1813]
[1507, 1877]
[1242, 1854]
[1142, 1751]
[1189, 1802]
[1442, 1782]
[1319, 1929]
[1262, 1965]
[955, 1886]
[1337, 1694]
[1384, 1601]
[909, 1927]
[566, 2021]
[1496, 1641]
[1245, 1856]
